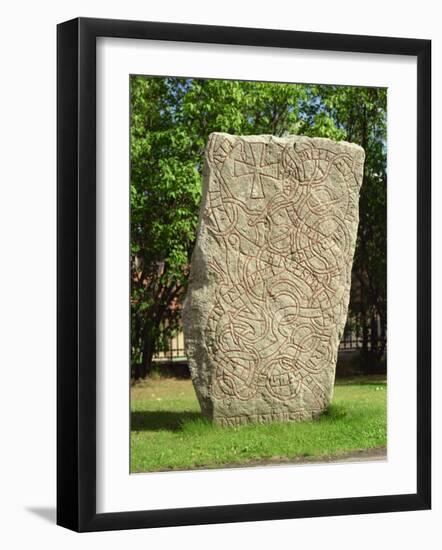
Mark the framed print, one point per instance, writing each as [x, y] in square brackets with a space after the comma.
[243, 274]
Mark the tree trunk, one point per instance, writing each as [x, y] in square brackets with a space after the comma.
[154, 318]
[365, 351]
[374, 336]
[147, 355]
[383, 334]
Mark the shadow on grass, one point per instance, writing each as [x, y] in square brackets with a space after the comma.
[155, 421]
[162, 420]
[361, 381]
[334, 412]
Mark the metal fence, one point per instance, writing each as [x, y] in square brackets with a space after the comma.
[175, 350]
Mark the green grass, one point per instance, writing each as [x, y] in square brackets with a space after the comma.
[168, 431]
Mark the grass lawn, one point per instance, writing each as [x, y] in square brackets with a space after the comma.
[169, 433]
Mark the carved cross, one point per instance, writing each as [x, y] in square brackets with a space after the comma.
[254, 163]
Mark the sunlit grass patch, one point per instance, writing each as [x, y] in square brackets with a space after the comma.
[168, 431]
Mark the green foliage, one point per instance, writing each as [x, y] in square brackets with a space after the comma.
[171, 119]
[168, 431]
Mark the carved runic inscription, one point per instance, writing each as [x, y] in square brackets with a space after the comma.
[270, 275]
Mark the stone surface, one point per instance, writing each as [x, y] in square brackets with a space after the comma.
[270, 275]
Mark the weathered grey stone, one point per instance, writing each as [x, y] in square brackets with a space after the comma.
[270, 275]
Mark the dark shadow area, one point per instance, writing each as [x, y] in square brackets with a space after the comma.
[350, 365]
[47, 513]
[161, 420]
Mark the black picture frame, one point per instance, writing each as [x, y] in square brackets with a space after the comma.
[76, 274]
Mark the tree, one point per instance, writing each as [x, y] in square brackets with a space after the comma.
[171, 119]
[165, 191]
